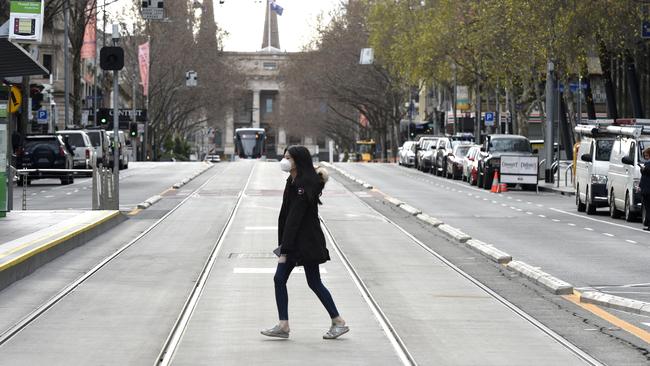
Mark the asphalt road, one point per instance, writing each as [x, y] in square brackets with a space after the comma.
[141, 181]
[544, 230]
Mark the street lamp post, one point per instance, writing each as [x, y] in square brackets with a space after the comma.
[116, 124]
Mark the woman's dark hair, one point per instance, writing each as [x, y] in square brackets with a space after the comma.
[305, 173]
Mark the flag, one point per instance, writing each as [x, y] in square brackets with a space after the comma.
[275, 7]
[89, 47]
[143, 59]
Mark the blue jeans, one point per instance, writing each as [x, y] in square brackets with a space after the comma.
[313, 280]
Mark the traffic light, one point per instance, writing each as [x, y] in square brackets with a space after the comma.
[103, 117]
[111, 58]
[133, 128]
[36, 94]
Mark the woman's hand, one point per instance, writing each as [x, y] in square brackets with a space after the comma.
[282, 258]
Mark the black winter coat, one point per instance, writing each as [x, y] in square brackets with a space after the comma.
[644, 184]
[299, 233]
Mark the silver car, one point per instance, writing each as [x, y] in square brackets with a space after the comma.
[406, 154]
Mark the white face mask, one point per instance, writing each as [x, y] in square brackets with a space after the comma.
[285, 165]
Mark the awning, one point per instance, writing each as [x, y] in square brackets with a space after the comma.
[15, 61]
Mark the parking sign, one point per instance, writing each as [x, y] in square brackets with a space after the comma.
[489, 119]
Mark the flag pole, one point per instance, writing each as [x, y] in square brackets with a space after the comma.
[269, 26]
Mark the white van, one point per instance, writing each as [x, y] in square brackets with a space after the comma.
[79, 143]
[123, 153]
[624, 173]
[592, 165]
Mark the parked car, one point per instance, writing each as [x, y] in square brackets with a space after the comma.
[624, 173]
[428, 155]
[79, 142]
[470, 164]
[123, 153]
[419, 146]
[455, 159]
[493, 148]
[101, 144]
[406, 154]
[592, 165]
[444, 150]
[444, 144]
[44, 152]
[213, 158]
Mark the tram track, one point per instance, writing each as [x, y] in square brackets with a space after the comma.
[14, 330]
[400, 346]
[173, 340]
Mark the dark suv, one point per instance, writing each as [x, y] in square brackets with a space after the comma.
[44, 152]
[493, 148]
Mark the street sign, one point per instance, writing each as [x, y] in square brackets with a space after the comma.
[367, 56]
[41, 116]
[574, 86]
[26, 20]
[191, 78]
[489, 119]
[519, 169]
[153, 10]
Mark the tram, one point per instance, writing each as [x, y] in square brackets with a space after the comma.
[250, 143]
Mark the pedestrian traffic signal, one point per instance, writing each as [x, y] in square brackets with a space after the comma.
[133, 128]
[111, 58]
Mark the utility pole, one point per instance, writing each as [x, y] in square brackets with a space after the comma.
[116, 124]
[66, 66]
[548, 141]
[455, 99]
[134, 82]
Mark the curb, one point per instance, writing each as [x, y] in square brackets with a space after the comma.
[22, 266]
[454, 233]
[410, 209]
[429, 220]
[394, 201]
[149, 202]
[489, 251]
[553, 284]
[556, 190]
[615, 302]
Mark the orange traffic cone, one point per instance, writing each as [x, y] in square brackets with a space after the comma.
[495, 183]
[503, 187]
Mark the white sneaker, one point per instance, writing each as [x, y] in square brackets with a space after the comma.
[336, 331]
[276, 332]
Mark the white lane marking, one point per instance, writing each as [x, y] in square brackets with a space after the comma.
[494, 202]
[528, 213]
[513, 207]
[542, 216]
[258, 228]
[589, 229]
[529, 203]
[631, 241]
[518, 200]
[519, 210]
[43, 191]
[69, 193]
[601, 221]
[646, 324]
[608, 234]
[540, 205]
[555, 220]
[33, 194]
[485, 199]
[504, 205]
[49, 196]
[570, 224]
[269, 270]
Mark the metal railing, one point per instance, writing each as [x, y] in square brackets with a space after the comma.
[568, 168]
[103, 184]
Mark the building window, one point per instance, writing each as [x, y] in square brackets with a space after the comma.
[270, 66]
[269, 105]
[47, 62]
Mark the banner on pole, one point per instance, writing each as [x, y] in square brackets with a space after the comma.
[143, 58]
[89, 47]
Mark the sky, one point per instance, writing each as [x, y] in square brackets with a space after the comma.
[244, 21]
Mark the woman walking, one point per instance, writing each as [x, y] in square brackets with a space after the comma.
[644, 186]
[301, 239]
